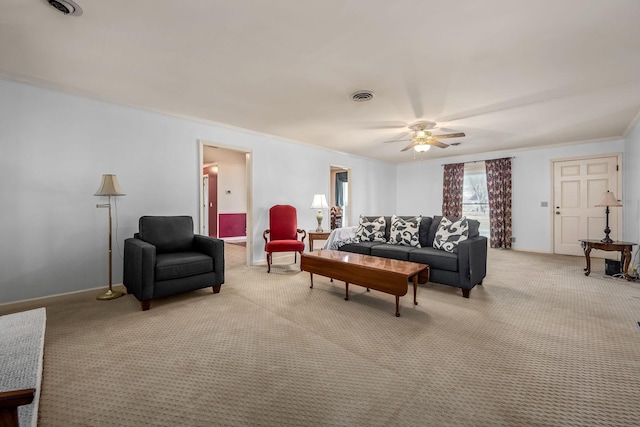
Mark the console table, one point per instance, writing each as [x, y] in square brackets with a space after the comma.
[623, 247]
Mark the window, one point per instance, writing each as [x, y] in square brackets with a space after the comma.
[475, 200]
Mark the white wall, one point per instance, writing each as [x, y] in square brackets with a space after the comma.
[419, 189]
[232, 188]
[55, 148]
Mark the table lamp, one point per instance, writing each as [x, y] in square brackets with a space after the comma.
[608, 199]
[319, 202]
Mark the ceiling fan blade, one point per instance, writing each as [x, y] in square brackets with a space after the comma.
[413, 144]
[396, 140]
[437, 143]
[450, 135]
[402, 136]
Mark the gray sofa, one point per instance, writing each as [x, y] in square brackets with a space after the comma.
[464, 269]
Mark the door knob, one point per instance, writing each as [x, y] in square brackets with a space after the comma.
[557, 212]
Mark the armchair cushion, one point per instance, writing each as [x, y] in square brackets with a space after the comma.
[182, 264]
[285, 246]
[167, 233]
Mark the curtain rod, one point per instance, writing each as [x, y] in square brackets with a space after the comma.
[477, 161]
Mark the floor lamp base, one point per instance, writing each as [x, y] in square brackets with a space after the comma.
[109, 295]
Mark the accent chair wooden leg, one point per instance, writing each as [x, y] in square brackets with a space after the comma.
[268, 262]
[216, 289]
[465, 292]
[146, 304]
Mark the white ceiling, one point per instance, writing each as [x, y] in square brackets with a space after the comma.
[508, 73]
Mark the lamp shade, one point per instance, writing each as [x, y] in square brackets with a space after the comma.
[608, 199]
[319, 202]
[109, 186]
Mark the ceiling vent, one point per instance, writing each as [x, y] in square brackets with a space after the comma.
[65, 6]
[362, 96]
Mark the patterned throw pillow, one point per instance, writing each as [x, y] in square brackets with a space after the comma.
[450, 233]
[405, 231]
[371, 231]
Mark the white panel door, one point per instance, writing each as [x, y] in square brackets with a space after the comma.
[578, 186]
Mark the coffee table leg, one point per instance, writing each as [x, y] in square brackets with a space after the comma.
[397, 306]
[415, 289]
[311, 274]
[346, 287]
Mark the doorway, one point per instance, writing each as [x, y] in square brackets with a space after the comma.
[578, 185]
[340, 192]
[226, 197]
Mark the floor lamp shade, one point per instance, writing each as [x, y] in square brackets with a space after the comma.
[608, 199]
[109, 187]
[319, 202]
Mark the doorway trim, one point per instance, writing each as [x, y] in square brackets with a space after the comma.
[332, 170]
[249, 191]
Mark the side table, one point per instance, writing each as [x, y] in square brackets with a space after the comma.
[623, 247]
[317, 235]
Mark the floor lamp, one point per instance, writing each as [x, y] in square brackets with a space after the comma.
[109, 187]
[608, 199]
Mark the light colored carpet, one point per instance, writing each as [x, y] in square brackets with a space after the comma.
[538, 344]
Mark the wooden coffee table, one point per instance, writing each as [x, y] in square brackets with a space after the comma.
[382, 274]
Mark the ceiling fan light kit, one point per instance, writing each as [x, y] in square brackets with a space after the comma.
[422, 139]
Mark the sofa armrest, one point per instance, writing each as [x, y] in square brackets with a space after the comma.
[472, 261]
[139, 268]
[215, 249]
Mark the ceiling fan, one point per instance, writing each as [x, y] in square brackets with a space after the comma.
[423, 139]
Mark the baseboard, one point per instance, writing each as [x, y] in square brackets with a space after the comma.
[30, 301]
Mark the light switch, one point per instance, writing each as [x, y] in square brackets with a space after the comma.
[544, 204]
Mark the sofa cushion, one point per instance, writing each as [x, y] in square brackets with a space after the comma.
[423, 232]
[371, 230]
[167, 233]
[435, 258]
[387, 250]
[450, 233]
[363, 248]
[182, 264]
[405, 231]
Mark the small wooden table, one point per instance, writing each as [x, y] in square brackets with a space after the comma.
[317, 235]
[382, 274]
[623, 247]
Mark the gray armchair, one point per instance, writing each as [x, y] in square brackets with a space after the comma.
[166, 258]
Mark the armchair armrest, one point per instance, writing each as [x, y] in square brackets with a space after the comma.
[264, 236]
[215, 249]
[139, 268]
[303, 232]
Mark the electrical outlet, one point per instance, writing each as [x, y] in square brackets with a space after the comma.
[513, 239]
[544, 204]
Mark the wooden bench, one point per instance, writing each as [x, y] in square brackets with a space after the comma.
[21, 357]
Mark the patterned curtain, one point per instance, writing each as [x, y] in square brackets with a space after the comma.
[452, 189]
[499, 188]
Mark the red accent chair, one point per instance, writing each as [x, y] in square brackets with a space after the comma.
[282, 234]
